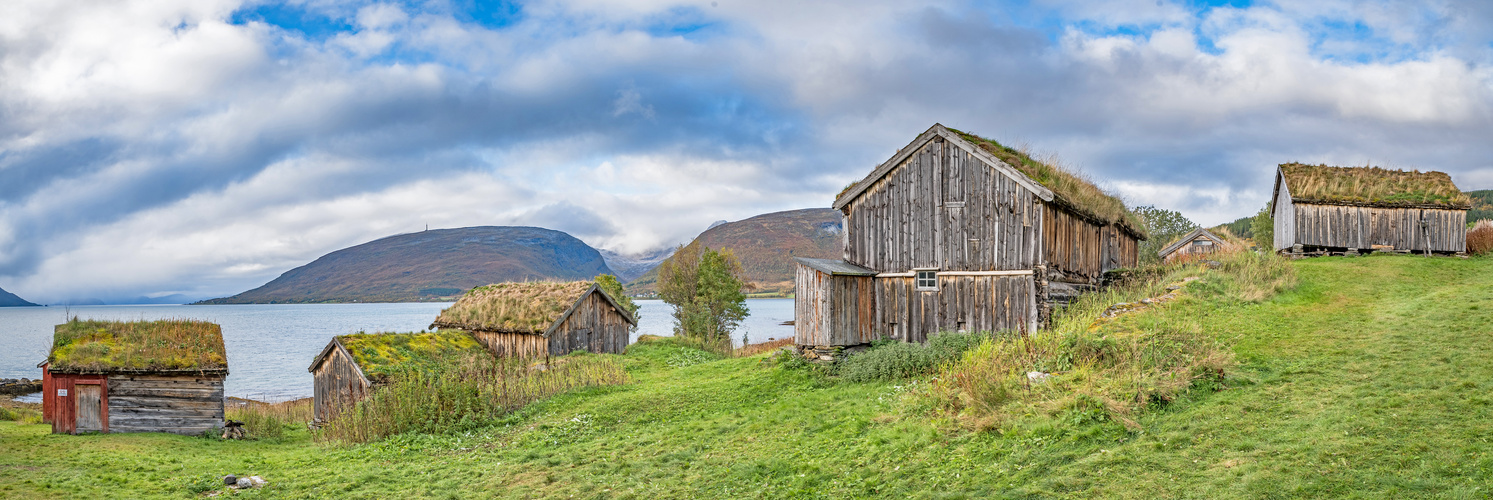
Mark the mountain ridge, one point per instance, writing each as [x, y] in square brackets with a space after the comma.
[765, 245]
[8, 299]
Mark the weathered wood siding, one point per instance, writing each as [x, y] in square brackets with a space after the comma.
[179, 404]
[943, 208]
[1191, 248]
[513, 345]
[338, 384]
[594, 326]
[833, 310]
[62, 402]
[1080, 251]
[1284, 216]
[1343, 227]
[961, 303]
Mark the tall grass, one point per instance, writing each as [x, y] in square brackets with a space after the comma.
[465, 393]
[271, 420]
[1480, 238]
[20, 415]
[1090, 367]
[759, 348]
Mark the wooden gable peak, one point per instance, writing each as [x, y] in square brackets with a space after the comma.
[596, 289]
[939, 131]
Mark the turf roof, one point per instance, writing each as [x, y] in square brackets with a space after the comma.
[381, 354]
[513, 307]
[1372, 186]
[137, 346]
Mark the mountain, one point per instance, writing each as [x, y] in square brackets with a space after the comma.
[766, 245]
[630, 266]
[1482, 205]
[431, 265]
[8, 299]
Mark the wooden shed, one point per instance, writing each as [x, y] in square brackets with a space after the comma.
[1195, 243]
[352, 366]
[539, 319]
[957, 232]
[136, 376]
[1321, 209]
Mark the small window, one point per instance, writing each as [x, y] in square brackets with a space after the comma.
[927, 280]
[1203, 243]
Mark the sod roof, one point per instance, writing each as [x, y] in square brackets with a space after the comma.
[530, 307]
[174, 345]
[380, 355]
[1372, 186]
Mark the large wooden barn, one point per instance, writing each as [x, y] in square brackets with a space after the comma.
[352, 366]
[957, 232]
[1322, 209]
[137, 376]
[538, 319]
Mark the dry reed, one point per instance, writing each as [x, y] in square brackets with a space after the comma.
[269, 420]
[759, 348]
[1480, 238]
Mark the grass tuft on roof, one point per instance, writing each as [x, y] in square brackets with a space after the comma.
[1372, 186]
[164, 345]
[382, 354]
[513, 307]
[1069, 187]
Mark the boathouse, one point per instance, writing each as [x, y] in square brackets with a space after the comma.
[1320, 209]
[351, 366]
[539, 319]
[134, 376]
[956, 232]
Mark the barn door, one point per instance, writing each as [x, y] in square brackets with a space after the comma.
[88, 398]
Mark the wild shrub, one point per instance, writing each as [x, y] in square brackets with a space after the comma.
[1480, 238]
[20, 415]
[898, 360]
[464, 394]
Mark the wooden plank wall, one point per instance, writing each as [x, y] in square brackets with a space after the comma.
[968, 303]
[515, 345]
[833, 310]
[1284, 214]
[1343, 227]
[595, 326]
[944, 208]
[1079, 251]
[810, 306]
[179, 404]
[338, 384]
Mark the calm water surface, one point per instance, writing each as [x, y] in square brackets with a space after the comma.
[271, 345]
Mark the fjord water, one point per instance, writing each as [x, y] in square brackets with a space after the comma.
[270, 346]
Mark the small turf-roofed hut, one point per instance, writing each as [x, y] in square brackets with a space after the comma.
[1337, 209]
[135, 376]
[1195, 243]
[957, 232]
[351, 366]
[539, 319]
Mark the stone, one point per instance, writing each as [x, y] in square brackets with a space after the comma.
[257, 482]
[230, 480]
[1173, 288]
[1038, 377]
[1146, 300]
[243, 482]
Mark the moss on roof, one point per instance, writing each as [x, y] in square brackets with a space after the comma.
[1372, 186]
[165, 345]
[382, 354]
[1070, 189]
[513, 307]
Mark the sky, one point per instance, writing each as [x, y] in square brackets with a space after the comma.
[203, 147]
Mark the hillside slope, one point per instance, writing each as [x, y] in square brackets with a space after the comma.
[430, 265]
[8, 299]
[766, 245]
[1482, 205]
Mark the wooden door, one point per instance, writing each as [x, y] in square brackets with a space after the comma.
[88, 398]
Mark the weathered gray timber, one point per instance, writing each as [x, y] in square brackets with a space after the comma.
[338, 381]
[1196, 242]
[975, 228]
[1324, 224]
[585, 319]
[179, 404]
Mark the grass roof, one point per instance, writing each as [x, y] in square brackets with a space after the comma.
[164, 345]
[513, 307]
[1372, 186]
[1069, 188]
[382, 354]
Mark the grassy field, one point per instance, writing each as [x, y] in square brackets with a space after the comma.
[1370, 379]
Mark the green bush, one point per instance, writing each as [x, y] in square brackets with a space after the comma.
[897, 360]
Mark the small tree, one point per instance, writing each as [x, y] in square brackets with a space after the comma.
[613, 287]
[705, 289]
[1163, 226]
[1262, 229]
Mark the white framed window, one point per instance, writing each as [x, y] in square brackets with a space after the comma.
[926, 280]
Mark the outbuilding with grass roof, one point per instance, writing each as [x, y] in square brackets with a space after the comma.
[959, 232]
[135, 376]
[351, 366]
[540, 319]
[1320, 209]
[1195, 243]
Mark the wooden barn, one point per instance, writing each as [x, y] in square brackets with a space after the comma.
[1320, 209]
[137, 376]
[1195, 243]
[957, 232]
[352, 366]
[539, 319]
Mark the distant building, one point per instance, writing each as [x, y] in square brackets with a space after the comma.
[135, 376]
[538, 319]
[957, 232]
[1322, 209]
[351, 366]
[1196, 242]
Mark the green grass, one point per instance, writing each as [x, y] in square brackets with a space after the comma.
[1370, 379]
